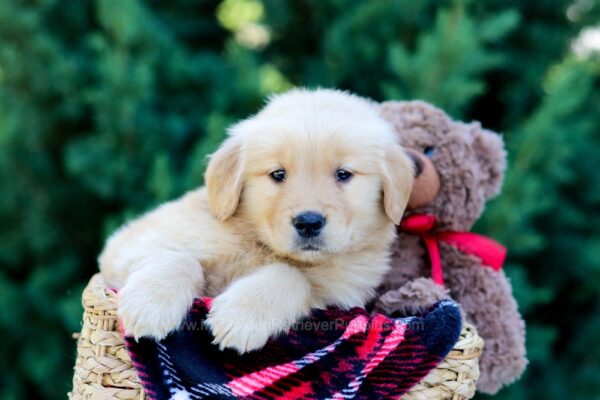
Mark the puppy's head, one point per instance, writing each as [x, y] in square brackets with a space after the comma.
[314, 174]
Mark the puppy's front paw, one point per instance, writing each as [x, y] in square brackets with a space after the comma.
[259, 306]
[236, 325]
[149, 310]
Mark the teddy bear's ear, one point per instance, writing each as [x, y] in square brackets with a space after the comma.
[489, 148]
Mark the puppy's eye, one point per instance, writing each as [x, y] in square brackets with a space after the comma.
[278, 176]
[342, 175]
[428, 151]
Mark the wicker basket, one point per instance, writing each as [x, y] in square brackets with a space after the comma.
[103, 369]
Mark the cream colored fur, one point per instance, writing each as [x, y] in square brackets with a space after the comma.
[234, 239]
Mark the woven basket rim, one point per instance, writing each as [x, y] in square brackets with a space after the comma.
[103, 369]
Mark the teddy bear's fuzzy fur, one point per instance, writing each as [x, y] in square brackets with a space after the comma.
[470, 162]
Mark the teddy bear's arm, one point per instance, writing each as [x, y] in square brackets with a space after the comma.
[486, 298]
[413, 298]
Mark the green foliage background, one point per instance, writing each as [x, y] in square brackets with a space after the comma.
[108, 107]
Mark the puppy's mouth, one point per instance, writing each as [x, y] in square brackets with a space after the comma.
[309, 246]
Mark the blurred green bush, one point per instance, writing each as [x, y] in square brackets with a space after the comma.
[108, 107]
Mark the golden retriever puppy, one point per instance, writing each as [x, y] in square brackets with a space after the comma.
[298, 212]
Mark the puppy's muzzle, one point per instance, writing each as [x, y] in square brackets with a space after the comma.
[309, 224]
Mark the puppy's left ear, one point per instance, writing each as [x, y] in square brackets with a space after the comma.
[223, 179]
[398, 176]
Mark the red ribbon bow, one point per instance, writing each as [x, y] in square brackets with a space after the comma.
[490, 252]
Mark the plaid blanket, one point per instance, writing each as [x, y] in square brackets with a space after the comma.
[332, 354]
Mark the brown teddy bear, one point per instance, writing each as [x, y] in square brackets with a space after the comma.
[458, 167]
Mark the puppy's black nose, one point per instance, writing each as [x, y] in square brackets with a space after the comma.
[309, 223]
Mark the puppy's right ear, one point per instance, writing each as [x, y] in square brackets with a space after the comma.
[223, 179]
[398, 177]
